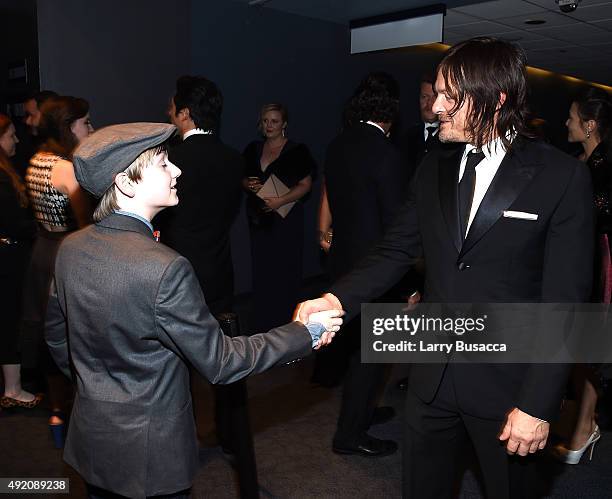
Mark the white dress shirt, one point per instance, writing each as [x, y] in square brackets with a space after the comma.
[428, 125]
[376, 125]
[494, 153]
[196, 131]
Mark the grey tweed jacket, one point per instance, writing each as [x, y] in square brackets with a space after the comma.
[126, 317]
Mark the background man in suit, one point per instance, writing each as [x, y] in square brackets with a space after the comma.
[365, 182]
[135, 317]
[459, 214]
[423, 136]
[210, 187]
[199, 229]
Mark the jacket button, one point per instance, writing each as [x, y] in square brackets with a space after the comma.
[462, 266]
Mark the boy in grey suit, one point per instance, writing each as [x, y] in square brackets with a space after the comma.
[127, 316]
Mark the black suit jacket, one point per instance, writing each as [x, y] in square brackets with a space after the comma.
[209, 191]
[414, 149]
[502, 260]
[366, 184]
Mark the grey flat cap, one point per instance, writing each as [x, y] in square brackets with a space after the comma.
[110, 150]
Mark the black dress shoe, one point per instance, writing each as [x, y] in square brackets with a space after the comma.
[402, 384]
[382, 415]
[367, 446]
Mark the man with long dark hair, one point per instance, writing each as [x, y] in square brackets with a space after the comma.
[503, 219]
[365, 181]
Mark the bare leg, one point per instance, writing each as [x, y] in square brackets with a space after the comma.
[12, 383]
[587, 401]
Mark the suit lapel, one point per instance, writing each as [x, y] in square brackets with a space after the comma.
[515, 172]
[448, 175]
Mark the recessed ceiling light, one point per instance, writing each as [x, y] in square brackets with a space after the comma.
[535, 22]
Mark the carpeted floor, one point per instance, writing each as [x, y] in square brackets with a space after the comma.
[293, 423]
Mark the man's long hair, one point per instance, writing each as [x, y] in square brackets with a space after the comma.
[476, 72]
[376, 99]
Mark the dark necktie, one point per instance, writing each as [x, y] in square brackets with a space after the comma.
[430, 136]
[466, 188]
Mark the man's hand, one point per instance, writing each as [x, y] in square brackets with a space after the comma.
[523, 433]
[331, 321]
[412, 301]
[326, 302]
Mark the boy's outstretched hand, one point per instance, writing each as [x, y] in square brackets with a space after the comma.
[326, 310]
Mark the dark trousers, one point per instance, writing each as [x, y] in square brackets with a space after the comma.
[362, 383]
[436, 439]
[232, 412]
[234, 433]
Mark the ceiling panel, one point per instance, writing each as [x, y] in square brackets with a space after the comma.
[603, 24]
[343, 11]
[550, 19]
[480, 28]
[592, 13]
[453, 18]
[522, 36]
[579, 43]
[545, 43]
[584, 33]
[499, 8]
[550, 4]
[451, 38]
[601, 48]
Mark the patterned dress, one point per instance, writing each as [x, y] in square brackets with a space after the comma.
[51, 207]
[55, 218]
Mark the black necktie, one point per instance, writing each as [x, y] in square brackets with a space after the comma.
[466, 188]
[430, 135]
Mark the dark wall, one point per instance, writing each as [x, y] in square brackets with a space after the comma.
[550, 97]
[122, 56]
[261, 55]
[19, 46]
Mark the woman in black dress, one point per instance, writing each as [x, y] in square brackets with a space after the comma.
[17, 229]
[283, 168]
[60, 206]
[590, 124]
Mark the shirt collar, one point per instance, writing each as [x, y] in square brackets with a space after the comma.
[196, 131]
[434, 124]
[376, 125]
[492, 149]
[137, 217]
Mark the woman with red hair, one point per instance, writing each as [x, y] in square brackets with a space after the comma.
[17, 228]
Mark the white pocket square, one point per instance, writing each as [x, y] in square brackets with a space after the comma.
[523, 215]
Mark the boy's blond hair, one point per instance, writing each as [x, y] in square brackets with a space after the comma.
[108, 202]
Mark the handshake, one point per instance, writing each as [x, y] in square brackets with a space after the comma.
[326, 311]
